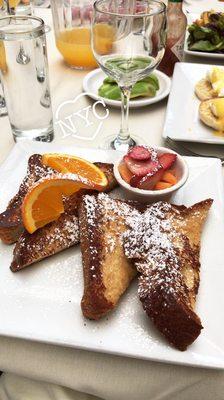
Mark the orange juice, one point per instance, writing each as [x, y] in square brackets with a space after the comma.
[103, 36]
[74, 45]
[3, 65]
[14, 3]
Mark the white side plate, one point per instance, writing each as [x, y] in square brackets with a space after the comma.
[94, 79]
[42, 302]
[191, 18]
[182, 120]
[203, 54]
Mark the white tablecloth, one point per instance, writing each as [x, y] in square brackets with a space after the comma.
[108, 377]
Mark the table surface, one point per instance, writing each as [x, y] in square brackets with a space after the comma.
[43, 361]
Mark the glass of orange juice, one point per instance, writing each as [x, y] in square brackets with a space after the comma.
[72, 23]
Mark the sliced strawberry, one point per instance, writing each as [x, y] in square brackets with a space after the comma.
[141, 168]
[167, 160]
[147, 182]
[140, 153]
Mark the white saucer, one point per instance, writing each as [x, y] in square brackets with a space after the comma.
[94, 79]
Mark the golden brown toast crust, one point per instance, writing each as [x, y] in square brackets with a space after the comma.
[165, 245]
[45, 242]
[107, 272]
[11, 225]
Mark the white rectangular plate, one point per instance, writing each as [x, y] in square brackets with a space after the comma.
[191, 18]
[182, 120]
[42, 302]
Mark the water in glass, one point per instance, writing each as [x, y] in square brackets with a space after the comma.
[24, 74]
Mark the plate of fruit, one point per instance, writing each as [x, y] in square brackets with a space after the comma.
[151, 173]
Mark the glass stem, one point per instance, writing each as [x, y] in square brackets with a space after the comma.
[124, 134]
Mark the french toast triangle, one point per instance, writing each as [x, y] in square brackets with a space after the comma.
[107, 272]
[165, 247]
[52, 238]
[45, 242]
[11, 225]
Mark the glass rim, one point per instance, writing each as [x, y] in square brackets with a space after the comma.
[149, 14]
[33, 30]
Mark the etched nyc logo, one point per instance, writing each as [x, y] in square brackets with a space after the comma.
[80, 121]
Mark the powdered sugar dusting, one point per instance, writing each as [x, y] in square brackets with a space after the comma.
[90, 207]
[35, 171]
[150, 242]
[53, 238]
[68, 176]
[111, 211]
[105, 222]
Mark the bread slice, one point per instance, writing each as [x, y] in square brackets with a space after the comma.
[58, 235]
[165, 246]
[107, 272]
[11, 225]
[204, 90]
[51, 239]
[208, 118]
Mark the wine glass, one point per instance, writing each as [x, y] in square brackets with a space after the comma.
[128, 42]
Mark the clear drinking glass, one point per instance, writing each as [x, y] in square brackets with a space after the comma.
[24, 75]
[72, 26]
[3, 109]
[135, 34]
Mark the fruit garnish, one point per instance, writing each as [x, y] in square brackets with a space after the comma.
[145, 169]
[125, 172]
[163, 185]
[44, 201]
[147, 182]
[140, 153]
[167, 160]
[169, 177]
[141, 168]
[71, 164]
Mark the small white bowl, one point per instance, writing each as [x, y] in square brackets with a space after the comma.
[146, 196]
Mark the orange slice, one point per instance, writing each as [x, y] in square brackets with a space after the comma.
[125, 173]
[162, 185]
[71, 164]
[44, 201]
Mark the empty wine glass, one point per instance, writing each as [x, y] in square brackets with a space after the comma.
[133, 35]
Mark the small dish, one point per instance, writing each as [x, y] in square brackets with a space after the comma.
[149, 196]
[94, 79]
